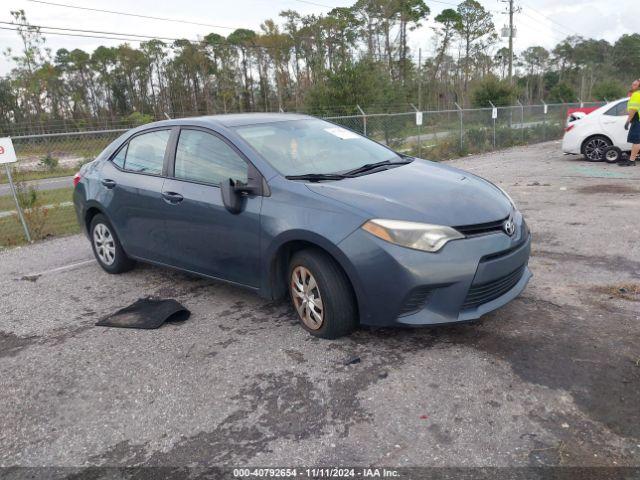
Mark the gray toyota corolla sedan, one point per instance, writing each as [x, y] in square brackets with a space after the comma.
[353, 232]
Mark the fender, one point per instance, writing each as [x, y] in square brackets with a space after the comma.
[269, 266]
[88, 204]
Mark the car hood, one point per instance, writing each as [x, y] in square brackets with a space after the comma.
[421, 192]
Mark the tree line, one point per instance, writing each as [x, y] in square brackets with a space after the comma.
[318, 63]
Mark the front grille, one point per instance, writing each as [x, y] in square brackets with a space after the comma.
[485, 292]
[415, 300]
[481, 228]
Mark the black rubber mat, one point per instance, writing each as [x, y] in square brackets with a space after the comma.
[146, 313]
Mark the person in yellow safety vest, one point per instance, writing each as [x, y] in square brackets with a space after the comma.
[633, 124]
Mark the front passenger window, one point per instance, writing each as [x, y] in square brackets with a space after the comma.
[203, 157]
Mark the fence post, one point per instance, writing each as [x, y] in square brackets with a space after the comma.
[521, 119]
[494, 123]
[18, 207]
[545, 109]
[418, 129]
[364, 120]
[461, 126]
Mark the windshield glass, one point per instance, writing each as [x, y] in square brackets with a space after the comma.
[299, 147]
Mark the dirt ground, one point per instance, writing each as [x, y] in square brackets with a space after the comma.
[551, 379]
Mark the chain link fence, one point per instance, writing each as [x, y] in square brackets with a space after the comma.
[443, 134]
[446, 134]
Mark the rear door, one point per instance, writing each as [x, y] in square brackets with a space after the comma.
[132, 183]
[203, 235]
[612, 122]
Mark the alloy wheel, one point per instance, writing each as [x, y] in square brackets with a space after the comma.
[594, 149]
[306, 298]
[104, 244]
[611, 156]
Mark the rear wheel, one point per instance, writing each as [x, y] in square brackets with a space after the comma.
[106, 246]
[321, 295]
[593, 148]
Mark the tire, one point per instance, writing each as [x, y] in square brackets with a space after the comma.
[612, 155]
[107, 247]
[593, 148]
[336, 313]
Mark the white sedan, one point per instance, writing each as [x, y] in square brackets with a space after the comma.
[592, 134]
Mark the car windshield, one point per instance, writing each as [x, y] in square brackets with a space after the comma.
[313, 146]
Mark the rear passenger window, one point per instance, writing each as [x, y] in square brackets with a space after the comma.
[119, 158]
[145, 153]
[203, 157]
[618, 109]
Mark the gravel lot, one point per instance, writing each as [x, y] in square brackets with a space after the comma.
[551, 379]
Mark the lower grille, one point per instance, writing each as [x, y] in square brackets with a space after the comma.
[415, 300]
[485, 292]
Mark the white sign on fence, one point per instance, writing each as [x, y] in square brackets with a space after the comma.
[494, 113]
[546, 108]
[418, 118]
[7, 153]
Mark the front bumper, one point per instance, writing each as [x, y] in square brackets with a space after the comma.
[463, 281]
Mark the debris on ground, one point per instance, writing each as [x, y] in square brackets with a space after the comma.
[352, 361]
[628, 291]
[30, 278]
[146, 313]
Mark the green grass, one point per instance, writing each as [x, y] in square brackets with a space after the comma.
[37, 174]
[45, 197]
[59, 221]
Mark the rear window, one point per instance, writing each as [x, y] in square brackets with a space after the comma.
[144, 153]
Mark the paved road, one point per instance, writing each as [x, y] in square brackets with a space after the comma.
[44, 184]
[551, 379]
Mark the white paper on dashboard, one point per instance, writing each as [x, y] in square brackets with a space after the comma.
[342, 133]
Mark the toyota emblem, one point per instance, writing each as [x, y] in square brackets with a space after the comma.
[509, 227]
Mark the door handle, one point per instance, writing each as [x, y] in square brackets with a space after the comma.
[108, 183]
[172, 197]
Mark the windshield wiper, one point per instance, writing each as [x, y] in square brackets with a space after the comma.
[372, 166]
[317, 177]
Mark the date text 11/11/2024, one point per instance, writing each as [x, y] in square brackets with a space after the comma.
[320, 472]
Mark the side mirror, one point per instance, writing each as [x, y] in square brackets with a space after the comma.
[234, 193]
[231, 199]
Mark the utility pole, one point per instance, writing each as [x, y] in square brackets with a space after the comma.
[511, 41]
[510, 32]
[420, 78]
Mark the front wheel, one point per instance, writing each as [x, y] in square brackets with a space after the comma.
[594, 147]
[321, 295]
[106, 246]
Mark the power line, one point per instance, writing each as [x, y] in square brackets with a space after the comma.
[70, 32]
[554, 30]
[551, 19]
[102, 37]
[129, 14]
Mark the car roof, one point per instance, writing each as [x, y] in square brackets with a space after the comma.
[231, 119]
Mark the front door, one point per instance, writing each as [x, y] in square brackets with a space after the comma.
[203, 235]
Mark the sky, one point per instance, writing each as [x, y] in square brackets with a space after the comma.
[540, 22]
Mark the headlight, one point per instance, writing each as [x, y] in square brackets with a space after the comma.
[419, 236]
